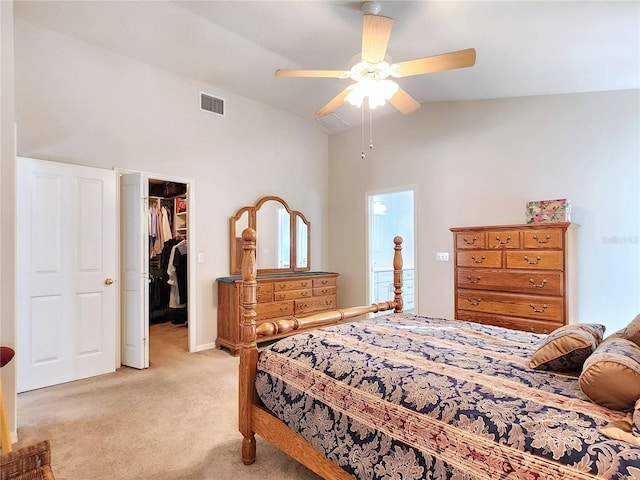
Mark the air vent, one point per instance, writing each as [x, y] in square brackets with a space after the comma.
[332, 122]
[211, 104]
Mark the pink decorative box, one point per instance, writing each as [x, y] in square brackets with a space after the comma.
[544, 211]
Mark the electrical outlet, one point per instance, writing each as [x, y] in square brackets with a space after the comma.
[442, 256]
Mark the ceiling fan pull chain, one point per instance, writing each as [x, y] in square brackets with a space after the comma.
[362, 155]
[370, 128]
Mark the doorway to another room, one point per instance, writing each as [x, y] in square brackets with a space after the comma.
[391, 214]
[158, 271]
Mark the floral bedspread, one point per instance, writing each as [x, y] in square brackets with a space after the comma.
[404, 397]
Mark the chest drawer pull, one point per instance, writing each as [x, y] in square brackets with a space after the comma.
[546, 239]
[473, 257]
[473, 280]
[501, 242]
[473, 240]
[545, 331]
[474, 302]
[537, 285]
[538, 310]
[284, 308]
[535, 262]
[324, 282]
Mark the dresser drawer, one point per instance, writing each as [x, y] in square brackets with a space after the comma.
[323, 291]
[264, 292]
[503, 239]
[511, 304]
[544, 283]
[292, 294]
[264, 288]
[472, 240]
[479, 258]
[316, 304]
[542, 238]
[324, 282]
[527, 325]
[274, 310]
[300, 284]
[536, 259]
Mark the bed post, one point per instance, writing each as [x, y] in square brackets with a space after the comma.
[397, 274]
[249, 348]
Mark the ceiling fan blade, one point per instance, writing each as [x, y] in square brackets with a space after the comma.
[404, 102]
[376, 31]
[312, 73]
[335, 103]
[437, 63]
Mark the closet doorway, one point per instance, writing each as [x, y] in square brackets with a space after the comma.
[158, 268]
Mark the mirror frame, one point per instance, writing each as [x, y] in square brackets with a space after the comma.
[235, 241]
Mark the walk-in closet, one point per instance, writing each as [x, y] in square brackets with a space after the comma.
[168, 266]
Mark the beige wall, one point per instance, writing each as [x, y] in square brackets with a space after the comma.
[80, 104]
[478, 163]
[7, 217]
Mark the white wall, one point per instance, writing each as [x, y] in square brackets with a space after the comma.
[80, 104]
[478, 163]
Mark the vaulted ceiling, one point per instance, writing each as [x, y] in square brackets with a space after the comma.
[523, 48]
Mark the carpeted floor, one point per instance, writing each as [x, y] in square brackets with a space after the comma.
[176, 420]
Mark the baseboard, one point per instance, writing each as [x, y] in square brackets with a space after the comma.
[204, 346]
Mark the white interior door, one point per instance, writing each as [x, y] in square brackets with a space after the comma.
[66, 272]
[135, 275]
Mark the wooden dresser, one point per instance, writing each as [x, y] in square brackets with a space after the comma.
[278, 296]
[522, 277]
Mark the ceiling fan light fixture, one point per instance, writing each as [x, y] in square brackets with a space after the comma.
[377, 91]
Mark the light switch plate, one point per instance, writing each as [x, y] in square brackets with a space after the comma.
[442, 256]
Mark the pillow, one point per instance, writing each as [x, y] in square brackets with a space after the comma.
[625, 429]
[611, 375]
[630, 332]
[568, 347]
[636, 421]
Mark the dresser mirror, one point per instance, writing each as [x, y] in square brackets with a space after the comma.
[282, 237]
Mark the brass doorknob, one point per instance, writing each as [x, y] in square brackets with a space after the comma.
[108, 281]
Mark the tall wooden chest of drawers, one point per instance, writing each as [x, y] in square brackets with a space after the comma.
[278, 296]
[522, 277]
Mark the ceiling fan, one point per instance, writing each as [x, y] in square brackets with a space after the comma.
[372, 72]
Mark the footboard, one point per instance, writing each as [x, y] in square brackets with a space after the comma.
[252, 418]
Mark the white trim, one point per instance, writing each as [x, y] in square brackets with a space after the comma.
[368, 267]
[191, 246]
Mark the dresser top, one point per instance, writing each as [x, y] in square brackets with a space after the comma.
[532, 226]
[235, 278]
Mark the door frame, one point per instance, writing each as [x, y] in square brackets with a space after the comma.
[191, 252]
[368, 226]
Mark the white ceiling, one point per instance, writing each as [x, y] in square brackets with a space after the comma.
[523, 47]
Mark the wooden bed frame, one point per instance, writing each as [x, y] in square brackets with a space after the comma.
[255, 419]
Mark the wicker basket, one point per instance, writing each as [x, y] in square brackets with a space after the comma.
[27, 463]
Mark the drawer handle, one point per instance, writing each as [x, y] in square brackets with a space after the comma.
[464, 239]
[535, 262]
[545, 331]
[473, 257]
[474, 302]
[538, 310]
[325, 291]
[284, 308]
[501, 242]
[282, 287]
[305, 293]
[537, 285]
[472, 280]
[546, 239]
[324, 282]
[303, 284]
